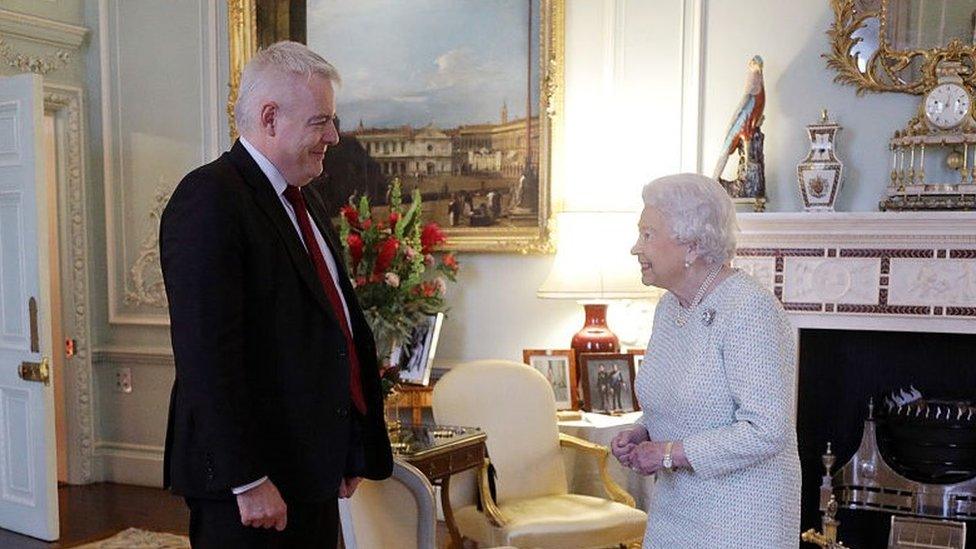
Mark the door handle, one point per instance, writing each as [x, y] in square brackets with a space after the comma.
[36, 371]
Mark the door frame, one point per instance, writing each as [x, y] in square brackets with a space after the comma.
[66, 104]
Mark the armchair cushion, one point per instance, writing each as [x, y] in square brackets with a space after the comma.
[561, 521]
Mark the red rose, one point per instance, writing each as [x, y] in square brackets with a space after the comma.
[429, 288]
[384, 257]
[355, 244]
[367, 224]
[351, 214]
[360, 281]
[394, 217]
[431, 236]
[450, 262]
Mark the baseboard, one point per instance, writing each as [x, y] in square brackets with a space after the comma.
[127, 463]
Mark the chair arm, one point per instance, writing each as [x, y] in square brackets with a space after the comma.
[614, 491]
[495, 515]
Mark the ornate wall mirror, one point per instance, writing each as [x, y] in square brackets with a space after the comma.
[459, 99]
[897, 45]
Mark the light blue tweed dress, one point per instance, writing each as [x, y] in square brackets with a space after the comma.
[726, 388]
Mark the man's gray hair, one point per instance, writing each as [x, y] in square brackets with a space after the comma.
[269, 68]
[698, 211]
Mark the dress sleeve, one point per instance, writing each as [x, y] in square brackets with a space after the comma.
[759, 359]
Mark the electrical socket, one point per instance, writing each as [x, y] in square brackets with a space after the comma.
[123, 380]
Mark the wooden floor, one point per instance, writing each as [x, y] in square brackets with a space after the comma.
[96, 511]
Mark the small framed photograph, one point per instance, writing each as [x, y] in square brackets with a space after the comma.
[415, 358]
[638, 356]
[559, 368]
[608, 382]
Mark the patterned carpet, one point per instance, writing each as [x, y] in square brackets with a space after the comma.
[134, 538]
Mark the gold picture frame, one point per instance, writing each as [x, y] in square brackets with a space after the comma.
[243, 30]
[862, 56]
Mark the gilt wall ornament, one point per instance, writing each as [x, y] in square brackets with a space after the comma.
[867, 53]
[820, 175]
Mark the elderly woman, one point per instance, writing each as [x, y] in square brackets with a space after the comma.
[717, 385]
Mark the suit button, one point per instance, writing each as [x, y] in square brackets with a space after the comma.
[342, 411]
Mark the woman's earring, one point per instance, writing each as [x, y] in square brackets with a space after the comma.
[687, 264]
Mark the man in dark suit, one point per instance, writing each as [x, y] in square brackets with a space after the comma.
[276, 409]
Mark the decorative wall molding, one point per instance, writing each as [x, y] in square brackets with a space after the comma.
[127, 463]
[135, 290]
[41, 30]
[66, 104]
[38, 65]
[134, 356]
[901, 271]
[128, 450]
[144, 280]
[692, 53]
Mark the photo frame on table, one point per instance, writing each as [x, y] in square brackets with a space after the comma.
[466, 107]
[558, 366]
[608, 383]
[415, 357]
[638, 356]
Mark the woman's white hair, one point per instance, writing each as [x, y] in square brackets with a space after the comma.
[698, 211]
[269, 70]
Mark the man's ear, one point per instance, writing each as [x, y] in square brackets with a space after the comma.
[269, 118]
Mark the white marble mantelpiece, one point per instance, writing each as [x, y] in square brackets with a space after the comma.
[903, 271]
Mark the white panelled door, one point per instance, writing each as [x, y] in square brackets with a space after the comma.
[28, 464]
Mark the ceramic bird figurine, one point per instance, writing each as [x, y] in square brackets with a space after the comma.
[747, 117]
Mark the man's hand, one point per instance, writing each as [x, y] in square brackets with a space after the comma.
[625, 441]
[348, 486]
[262, 507]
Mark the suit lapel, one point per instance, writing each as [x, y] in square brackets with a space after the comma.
[270, 204]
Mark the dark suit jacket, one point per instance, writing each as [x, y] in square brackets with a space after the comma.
[262, 368]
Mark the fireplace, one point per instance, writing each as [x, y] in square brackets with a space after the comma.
[881, 301]
[839, 372]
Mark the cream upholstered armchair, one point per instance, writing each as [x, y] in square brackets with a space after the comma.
[514, 405]
[397, 512]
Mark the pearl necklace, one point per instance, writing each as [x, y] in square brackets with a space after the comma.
[682, 312]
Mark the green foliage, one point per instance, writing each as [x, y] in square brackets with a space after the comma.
[398, 274]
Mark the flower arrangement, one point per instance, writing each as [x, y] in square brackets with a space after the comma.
[396, 271]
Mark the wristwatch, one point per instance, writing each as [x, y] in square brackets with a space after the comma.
[667, 463]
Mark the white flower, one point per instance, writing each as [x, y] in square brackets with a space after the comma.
[429, 260]
[392, 279]
[441, 285]
[410, 253]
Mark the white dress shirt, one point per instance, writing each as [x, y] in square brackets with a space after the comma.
[280, 184]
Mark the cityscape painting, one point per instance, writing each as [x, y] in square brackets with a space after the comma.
[448, 101]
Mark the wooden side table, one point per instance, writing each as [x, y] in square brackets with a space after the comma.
[439, 452]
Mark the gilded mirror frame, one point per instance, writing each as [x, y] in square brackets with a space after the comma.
[243, 30]
[882, 68]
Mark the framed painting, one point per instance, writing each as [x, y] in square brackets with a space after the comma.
[460, 100]
[558, 366]
[415, 357]
[608, 383]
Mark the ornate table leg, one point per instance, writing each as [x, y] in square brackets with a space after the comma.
[455, 542]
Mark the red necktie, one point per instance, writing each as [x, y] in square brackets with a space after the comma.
[294, 195]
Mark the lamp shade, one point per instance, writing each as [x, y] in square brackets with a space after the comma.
[593, 260]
